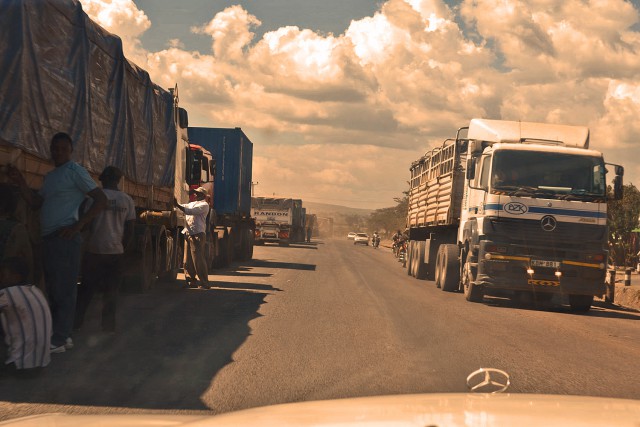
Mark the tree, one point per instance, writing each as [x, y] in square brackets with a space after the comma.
[622, 219]
[388, 220]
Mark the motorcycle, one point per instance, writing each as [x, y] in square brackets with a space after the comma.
[375, 241]
[402, 252]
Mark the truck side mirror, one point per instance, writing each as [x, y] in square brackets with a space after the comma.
[618, 188]
[471, 168]
[183, 118]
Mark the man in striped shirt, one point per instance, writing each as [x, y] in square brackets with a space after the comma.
[25, 317]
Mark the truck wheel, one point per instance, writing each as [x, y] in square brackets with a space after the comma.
[175, 254]
[211, 249]
[147, 261]
[450, 274]
[409, 258]
[472, 292]
[229, 249]
[160, 240]
[438, 267]
[421, 267]
[580, 303]
[251, 244]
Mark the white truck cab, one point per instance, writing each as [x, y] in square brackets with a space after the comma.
[532, 212]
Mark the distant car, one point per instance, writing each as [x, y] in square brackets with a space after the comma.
[351, 235]
[361, 238]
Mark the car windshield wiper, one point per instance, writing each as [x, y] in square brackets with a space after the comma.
[517, 190]
[581, 195]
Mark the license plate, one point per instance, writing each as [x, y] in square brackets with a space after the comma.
[543, 263]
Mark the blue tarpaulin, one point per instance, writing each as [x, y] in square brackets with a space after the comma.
[61, 72]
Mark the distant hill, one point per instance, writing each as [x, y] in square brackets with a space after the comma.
[333, 211]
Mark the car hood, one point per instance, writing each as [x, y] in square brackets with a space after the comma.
[406, 410]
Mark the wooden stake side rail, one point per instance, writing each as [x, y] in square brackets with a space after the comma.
[34, 169]
[437, 185]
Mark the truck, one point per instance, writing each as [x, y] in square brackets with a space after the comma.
[232, 156]
[278, 220]
[512, 207]
[77, 80]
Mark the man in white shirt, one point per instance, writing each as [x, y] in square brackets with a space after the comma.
[111, 231]
[196, 239]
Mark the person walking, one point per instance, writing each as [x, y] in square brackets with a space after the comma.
[59, 199]
[196, 213]
[110, 233]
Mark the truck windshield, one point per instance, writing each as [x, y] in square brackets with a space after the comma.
[547, 174]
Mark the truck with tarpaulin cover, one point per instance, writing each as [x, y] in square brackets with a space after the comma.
[513, 206]
[232, 154]
[62, 72]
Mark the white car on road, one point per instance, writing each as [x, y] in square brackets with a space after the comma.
[361, 238]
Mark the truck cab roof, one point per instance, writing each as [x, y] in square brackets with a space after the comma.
[544, 148]
[503, 131]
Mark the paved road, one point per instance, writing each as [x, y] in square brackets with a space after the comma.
[319, 321]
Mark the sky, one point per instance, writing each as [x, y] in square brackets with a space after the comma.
[340, 96]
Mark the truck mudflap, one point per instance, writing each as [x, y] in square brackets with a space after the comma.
[550, 276]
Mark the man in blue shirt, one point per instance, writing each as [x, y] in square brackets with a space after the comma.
[59, 199]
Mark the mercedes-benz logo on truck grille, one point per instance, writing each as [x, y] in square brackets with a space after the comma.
[548, 223]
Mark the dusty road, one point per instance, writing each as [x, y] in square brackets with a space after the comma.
[319, 321]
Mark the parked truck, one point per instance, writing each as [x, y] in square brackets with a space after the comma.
[278, 220]
[232, 153]
[76, 80]
[512, 206]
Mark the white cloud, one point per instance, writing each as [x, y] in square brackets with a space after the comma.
[397, 81]
[123, 18]
[230, 31]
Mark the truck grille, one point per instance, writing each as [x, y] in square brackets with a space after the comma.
[530, 233]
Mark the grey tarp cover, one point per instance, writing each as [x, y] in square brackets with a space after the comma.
[61, 72]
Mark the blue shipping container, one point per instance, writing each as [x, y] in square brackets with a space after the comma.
[233, 153]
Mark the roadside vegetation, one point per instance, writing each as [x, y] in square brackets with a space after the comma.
[624, 233]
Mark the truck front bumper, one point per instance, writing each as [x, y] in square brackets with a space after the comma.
[548, 274]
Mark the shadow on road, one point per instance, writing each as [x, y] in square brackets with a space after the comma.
[170, 344]
[288, 265]
[598, 309]
[240, 272]
[293, 246]
[218, 284]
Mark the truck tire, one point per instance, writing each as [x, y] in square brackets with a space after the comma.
[421, 267]
[176, 252]
[450, 272]
[229, 249]
[580, 303]
[472, 292]
[409, 258]
[145, 276]
[438, 267]
[244, 243]
[161, 253]
[211, 247]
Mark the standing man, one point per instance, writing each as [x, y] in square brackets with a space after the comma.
[59, 199]
[111, 232]
[196, 238]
